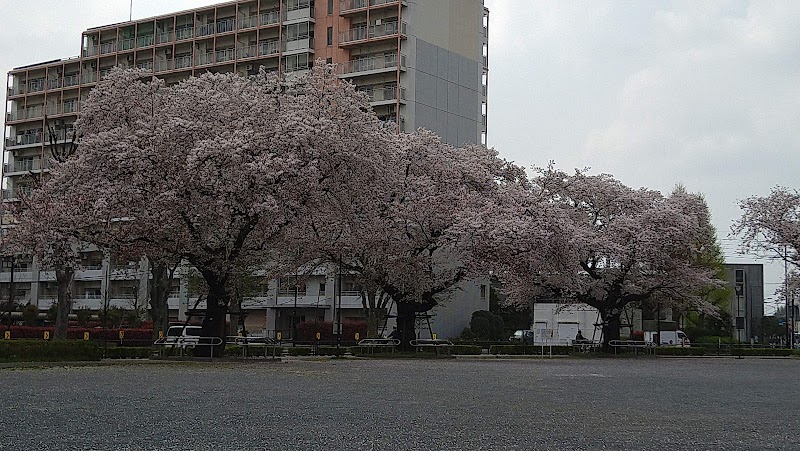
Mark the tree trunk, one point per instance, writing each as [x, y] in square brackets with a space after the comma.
[611, 327]
[160, 287]
[64, 278]
[406, 324]
[214, 321]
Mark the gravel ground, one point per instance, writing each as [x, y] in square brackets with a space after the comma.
[563, 404]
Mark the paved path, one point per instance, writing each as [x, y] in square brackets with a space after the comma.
[559, 404]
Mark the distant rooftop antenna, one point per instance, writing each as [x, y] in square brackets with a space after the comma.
[130, 15]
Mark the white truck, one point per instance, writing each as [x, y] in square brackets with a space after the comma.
[667, 338]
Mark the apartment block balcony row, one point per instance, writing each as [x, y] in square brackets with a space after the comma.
[27, 165]
[377, 31]
[350, 6]
[14, 193]
[384, 93]
[38, 85]
[222, 26]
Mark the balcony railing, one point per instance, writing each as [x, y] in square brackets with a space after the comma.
[163, 66]
[225, 55]
[27, 138]
[145, 65]
[247, 52]
[144, 41]
[127, 44]
[54, 83]
[108, 47]
[305, 12]
[27, 113]
[298, 44]
[270, 18]
[53, 108]
[165, 36]
[88, 77]
[14, 193]
[183, 61]
[347, 5]
[372, 32]
[184, 33]
[36, 85]
[226, 25]
[380, 62]
[268, 48]
[16, 90]
[204, 58]
[70, 106]
[27, 165]
[246, 22]
[90, 51]
[384, 93]
[71, 80]
[205, 30]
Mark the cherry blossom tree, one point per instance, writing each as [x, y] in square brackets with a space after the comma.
[213, 169]
[396, 230]
[771, 224]
[593, 240]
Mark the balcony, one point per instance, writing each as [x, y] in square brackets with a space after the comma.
[246, 22]
[301, 14]
[145, 65]
[205, 30]
[270, 18]
[144, 41]
[90, 51]
[54, 83]
[53, 109]
[184, 33]
[373, 32]
[16, 91]
[36, 85]
[88, 77]
[26, 139]
[268, 48]
[387, 94]
[163, 66]
[165, 36]
[127, 44]
[12, 194]
[71, 80]
[247, 52]
[70, 106]
[108, 47]
[372, 65]
[183, 62]
[32, 112]
[202, 59]
[226, 25]
[223, 55]
[26, 166]
[350, 6]
[302, 44]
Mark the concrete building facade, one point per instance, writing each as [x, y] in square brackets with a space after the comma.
[423, 63]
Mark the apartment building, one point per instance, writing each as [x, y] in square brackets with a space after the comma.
[423, 63]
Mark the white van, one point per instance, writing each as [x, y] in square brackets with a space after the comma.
[668, 338]
[183, 336]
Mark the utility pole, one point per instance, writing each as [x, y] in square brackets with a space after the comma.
[789, 338]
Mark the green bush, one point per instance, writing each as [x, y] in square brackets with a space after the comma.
[528, 350]
[299, 351]
[331, 350]
[679, 351]
[129, 352]
[714, 339]
[779, 352]
[48, 351]
[236, 351]
[466, 350]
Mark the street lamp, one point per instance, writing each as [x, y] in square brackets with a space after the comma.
[739, 319]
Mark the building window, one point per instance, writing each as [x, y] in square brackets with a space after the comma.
[322, 289]
[483, 292]
[330, 7]
[330, 35]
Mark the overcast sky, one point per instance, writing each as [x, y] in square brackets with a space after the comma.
[703, 93]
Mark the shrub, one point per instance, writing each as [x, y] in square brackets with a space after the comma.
[299, 351]
[331, 350]
[307, 331]
[30, 315]
[466, 350]
[528, 350]
[714, 339]
[778, 352]
[678, 351]
[236, 351]
[128, 352]
[486, 325]
[48, 351]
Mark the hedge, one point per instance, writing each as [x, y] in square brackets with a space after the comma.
[331, 350]
[76, 333]
[307, 331]
[299, 351]
[49, 351]
[780, 352]
[129, 352]
[528, 350]
[662, 350]
[236, 351]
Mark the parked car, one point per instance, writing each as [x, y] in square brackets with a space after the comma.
[183, 336]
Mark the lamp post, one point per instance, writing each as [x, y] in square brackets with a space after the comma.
[739, 319]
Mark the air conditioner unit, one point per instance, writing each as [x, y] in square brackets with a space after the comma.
[377, 22]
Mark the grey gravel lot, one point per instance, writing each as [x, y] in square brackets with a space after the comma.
[564, 404]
